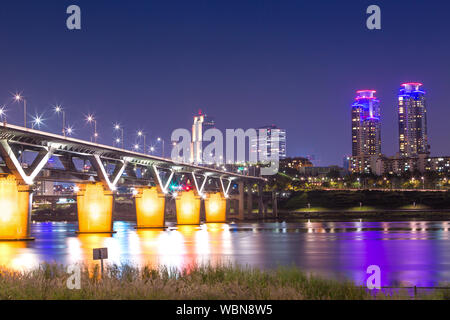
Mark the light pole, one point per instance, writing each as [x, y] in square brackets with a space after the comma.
[91, 119]
[141, 134]
[163, 143]
[423, 183]
[118, 127]
[59, 109]
[18, 98]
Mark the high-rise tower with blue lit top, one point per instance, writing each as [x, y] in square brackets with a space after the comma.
[412, 120]
[366, 126]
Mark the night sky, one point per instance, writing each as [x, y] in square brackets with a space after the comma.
[152, 65]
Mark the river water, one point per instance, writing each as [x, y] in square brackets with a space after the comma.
[408, 253]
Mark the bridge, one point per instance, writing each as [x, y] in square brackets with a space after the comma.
[99, 171]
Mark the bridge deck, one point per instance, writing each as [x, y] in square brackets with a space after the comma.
[36, 139]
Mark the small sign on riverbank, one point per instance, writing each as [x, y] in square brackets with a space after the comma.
[100, 254]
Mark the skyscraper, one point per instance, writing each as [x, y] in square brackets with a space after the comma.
[412, 120]
[262, 145]
[366, 129]
[201, 123]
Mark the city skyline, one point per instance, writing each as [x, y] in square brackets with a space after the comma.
[303, 81]
[365, 109]
[238, 153]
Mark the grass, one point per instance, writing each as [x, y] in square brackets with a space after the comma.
[49, 282]
[416, 207]
[314, 209]
[322, 209]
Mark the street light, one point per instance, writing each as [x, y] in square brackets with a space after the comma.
[58, 110]
[136, 147]
[90, 119]
[423, 182]
[118, 127]
[69, 130]
[163, 143]
[18, 98]
[141, 134]
[36, 121]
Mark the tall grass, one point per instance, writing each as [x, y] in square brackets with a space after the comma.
[49, 281]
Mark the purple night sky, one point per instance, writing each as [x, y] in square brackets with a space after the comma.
[152, 64]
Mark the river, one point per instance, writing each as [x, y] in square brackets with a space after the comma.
[408, 253]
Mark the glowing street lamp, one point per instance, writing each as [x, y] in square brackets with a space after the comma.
[18, 98]
[118, 127]
[90, 119]
[69, 130]
[136, 147]
[141, 134]
[37, 121]
[58, 110]
[163, 143]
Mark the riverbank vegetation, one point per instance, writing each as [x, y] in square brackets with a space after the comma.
[195, 282]
[373, 200]
[291, 179]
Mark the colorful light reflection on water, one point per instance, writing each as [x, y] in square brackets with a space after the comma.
[408, 253]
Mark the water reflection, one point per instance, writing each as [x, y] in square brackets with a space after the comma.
[15, 255]
[412, 252]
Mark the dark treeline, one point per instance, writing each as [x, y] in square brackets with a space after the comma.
[377, 199]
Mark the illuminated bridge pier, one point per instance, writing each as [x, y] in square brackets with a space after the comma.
[30, 156]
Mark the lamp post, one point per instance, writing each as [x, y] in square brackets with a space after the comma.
[118, 127]
[163, 143]
[141, 134]
[59, 109]
[18, 98]
[423, 183]
[91, 119]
